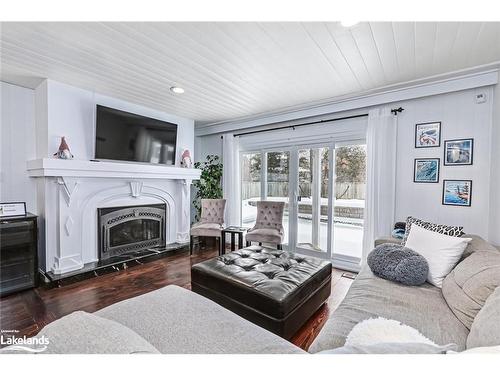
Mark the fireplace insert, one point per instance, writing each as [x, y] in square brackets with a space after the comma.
[129, 229]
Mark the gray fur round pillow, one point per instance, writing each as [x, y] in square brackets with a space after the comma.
[398, 263]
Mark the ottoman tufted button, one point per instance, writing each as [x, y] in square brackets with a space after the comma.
[269, 275]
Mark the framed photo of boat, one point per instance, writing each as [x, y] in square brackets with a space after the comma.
[428, 134]
[458, 151]
[457, 192]
[426, 170]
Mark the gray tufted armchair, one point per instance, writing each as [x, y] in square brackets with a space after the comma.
[211, 222]
[269, 224]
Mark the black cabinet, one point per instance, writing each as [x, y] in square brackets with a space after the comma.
[18, 253]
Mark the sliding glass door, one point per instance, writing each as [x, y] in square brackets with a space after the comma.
[349, 201]
[312, 194]
[277, 186]
[323, 187]
[251, 186]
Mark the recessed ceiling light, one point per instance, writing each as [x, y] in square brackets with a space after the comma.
[349, 23]
[177, 90]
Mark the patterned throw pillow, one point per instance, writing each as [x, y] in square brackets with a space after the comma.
[448, 230]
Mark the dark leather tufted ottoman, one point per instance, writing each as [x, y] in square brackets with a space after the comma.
[275, 289]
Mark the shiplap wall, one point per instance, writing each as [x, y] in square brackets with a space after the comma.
[461, 117]
[17, 144]
[70, 111]
[495, 170]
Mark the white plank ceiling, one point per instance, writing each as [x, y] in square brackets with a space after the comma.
[231, 70]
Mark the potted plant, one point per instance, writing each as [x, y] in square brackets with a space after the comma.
[209, 186]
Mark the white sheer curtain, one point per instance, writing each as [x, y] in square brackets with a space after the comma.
[231, 178]
[380, 176]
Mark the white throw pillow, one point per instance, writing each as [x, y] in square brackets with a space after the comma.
[442, 252]
[374, 331]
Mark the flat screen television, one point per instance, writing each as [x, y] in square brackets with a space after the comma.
[126, 136]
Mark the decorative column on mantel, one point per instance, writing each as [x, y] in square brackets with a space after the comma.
[68, 255]
[184, 222]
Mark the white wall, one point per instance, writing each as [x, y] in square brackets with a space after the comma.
[460, 117]
[495, 170]
[17, 143]
[208, 145]
[70, 112]
[204, 146]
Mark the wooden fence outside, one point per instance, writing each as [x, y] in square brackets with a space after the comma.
[343, 190]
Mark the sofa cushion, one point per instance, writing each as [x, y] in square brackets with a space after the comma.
[206, 230]
[449, 230]
[485, 330]
[265, 235]
[178, 321]
[398, 263]
[470, 283]
[84, 333]
[422, 307]
[386, 239]
[477, 244]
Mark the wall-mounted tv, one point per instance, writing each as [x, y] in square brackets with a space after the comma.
[126, 136]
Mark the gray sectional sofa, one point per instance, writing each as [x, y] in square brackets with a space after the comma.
[170, 320]
[423, 307]
[175, 320]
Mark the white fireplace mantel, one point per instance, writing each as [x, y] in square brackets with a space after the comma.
[71, 191]
[48, 167]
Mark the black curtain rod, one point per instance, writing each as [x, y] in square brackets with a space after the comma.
[394, 111]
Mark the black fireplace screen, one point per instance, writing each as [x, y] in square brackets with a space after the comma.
[132, 228]
[133, 231]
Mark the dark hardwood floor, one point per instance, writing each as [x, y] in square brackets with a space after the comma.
[29, 311]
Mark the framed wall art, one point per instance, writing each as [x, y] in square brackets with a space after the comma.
[458, 151]
[428, 135]
[426, 170]
[457, 192]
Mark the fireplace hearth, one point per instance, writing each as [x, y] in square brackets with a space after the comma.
[124, 230]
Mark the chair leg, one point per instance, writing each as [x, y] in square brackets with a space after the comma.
[279, 246]
[248, 244]
[260, 243]
[222, 247]
[191, 245]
